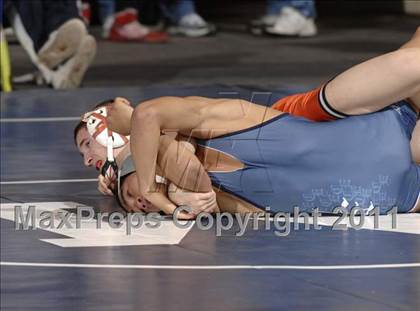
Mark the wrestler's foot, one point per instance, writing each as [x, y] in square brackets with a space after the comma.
[70, 74]
[62, 43]
[292, 23]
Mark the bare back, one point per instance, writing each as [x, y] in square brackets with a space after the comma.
[225, 116]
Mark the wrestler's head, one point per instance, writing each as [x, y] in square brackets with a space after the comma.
[128, 191]
[130, 198]
[93, 153]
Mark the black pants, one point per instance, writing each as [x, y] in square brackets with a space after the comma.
[41, 17]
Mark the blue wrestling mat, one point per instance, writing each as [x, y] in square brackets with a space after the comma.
[188, 268]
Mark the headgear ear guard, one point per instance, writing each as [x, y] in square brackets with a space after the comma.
[97, 127]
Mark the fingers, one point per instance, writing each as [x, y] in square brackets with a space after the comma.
[198, 202]
[205, 196]
[186, 216]
[210, 206]
[104, 184]
[207, 203]
[119, 118]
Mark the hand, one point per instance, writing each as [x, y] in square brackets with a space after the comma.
[119, 116]
[105, 185]
[197, 201]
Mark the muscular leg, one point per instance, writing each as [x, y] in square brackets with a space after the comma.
[378, 82]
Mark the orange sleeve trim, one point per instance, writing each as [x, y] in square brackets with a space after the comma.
[305, 105]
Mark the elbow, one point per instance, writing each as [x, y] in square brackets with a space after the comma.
[144, 114]
[409, 60]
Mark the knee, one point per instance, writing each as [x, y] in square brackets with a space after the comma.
[409, 60]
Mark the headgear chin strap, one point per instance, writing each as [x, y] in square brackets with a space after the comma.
[98, 128]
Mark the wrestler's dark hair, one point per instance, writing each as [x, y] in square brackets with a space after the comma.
[82, 124]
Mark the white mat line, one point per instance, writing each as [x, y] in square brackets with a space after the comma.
[47, 119]
[48, 181]
[215, 267]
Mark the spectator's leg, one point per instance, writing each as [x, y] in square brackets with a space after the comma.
[274, 7]
[27, 19]
[53, 35]
[47, 33]
[62, 43]
[106, 9]
[305, 7]
[106, 15]
[71, 73]
[178, 9]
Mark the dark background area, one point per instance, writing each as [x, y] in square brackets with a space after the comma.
[349, 32]
[240, 10]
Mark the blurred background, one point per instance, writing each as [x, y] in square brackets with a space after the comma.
[235, 46]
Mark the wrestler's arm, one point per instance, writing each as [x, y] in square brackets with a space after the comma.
[181, 165]
[147, 122]
[189, 182]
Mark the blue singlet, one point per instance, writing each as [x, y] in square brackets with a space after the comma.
[290, 161]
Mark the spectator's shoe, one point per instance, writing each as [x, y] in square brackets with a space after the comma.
[62, 43]
[124, 27]
[192, 25]
[70, 74]
[257, 26]
[292, 23]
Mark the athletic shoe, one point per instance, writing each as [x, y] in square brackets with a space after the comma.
[292, 23]
[257, 26]
[124, 27]
[192, 25]
[70, 74]
[62, 43]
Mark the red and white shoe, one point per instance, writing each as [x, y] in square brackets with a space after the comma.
[124, 27]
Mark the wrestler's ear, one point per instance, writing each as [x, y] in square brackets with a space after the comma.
[122, 100]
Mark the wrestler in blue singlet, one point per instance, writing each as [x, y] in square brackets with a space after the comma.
[290, 161]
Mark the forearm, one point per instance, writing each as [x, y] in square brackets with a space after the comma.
[147, 123]
[144, 143]
[180, 165]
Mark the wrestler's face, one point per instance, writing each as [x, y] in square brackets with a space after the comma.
[93, 153]
[131, 198]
